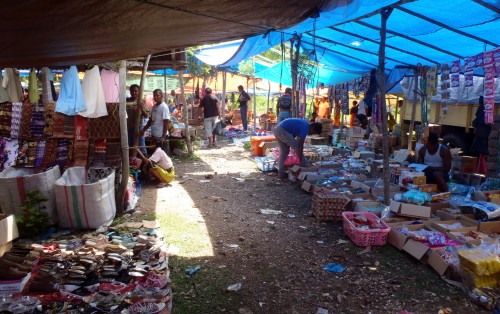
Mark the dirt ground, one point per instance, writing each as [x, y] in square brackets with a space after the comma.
[211, 217]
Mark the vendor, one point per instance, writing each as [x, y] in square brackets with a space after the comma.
[284, 106]
[159, 165]
[291, 133]
[438, 159]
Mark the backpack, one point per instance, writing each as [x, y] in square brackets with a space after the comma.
[286, 102]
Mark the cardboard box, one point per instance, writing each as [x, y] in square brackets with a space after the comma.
[410, 210]
[310, 181]
[428, 188]
[437, 262]
[14, 286]
[489, 227]
[396, 238]
[443, 226]
[467, 164]
[365, 155]
[5, 248]
[357, 184]
[420, 180]
[355, 131]
[268, 146]
[368, 207]
[8, 229]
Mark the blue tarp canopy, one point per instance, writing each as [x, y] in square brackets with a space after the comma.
[346, 38]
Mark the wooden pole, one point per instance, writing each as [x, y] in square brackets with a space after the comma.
[254, 97]
[138, 116]
[268, 95]
[185, 113]
[413, 108]
[120, 194]
[384, 14]
[224, 78]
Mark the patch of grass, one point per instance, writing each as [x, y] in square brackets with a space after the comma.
[118, 220]
[192, 158]
[270, 274]
[205, 291]
[247, 145]
[189, 236]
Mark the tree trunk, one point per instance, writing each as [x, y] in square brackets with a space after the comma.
[185, 114]
[120, 197]
[224, 78]
[384, 13]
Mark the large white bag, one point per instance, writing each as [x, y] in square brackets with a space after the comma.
[16, 182]
[84, 205]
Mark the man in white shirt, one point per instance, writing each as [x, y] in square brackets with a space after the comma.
[159, 165]
[159, 119]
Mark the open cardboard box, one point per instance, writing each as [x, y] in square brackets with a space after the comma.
[14, 286]
[396, 238]
[436, 261]
[365, 207]
[357, 184]
[443, 226]
[8, 232]
[410, 210]
[361, 197]
[310, 180]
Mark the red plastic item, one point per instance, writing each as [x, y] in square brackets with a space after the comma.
[291, 159]
[257, 150]
[364, 237]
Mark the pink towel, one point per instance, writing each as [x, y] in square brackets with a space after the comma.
[111, 85]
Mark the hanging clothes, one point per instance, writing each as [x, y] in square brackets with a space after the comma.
[33, 87]
[47, 77]
[70, 100]
[4, 96]
[12, 83]
[111, 86]
[93, 94]
[15, 122]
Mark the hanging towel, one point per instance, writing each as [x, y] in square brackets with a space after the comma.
[33, 87]
[4, 96]
[12, 83]
[46, 88]
[111, 86]
[70, 100]
[93, 94]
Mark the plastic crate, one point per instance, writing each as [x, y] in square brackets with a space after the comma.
[364, 237]
[266, 164]
[328, 206]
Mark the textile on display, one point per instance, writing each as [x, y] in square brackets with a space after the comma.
[4, 96]
[81, 128]
[22, 154]
[5, 119]
[105, 127]
[46, 86]
[93, 94]
[17, 110]
[99, 156]
[70, 100]
[49, 157]
[33, 87]
[12, 83]
[40, 152]
[25, 128]
[489, 86]
[10, 154]
[113, 153]
[49, 113]
[63, 146]
[80, 153]
[32, 151]
[111, 85]
[37, 127]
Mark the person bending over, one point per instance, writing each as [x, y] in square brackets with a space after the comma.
[291, 133]
[438, 159]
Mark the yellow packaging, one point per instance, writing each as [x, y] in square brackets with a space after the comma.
[479, 262]
[420, 180]
[478, 281]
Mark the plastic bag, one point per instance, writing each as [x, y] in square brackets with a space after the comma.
[458, 189]
[484, 211]
[416, 197]
[219, 128]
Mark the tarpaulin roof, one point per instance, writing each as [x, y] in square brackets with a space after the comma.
[425, 31]
[60, 33]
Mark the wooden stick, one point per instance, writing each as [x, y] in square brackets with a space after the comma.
[185, 113]
[354, 48]
[412, 39]
[413, 108]
[120, 195]
[387, 46]
[384, 14]
[425, 18]
[138, 117]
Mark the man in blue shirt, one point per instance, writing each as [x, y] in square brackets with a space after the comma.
[291, 133]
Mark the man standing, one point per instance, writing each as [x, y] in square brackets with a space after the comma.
[160, 116]
[291, 133]
[284, 107]
[354, 112]
[141, 109]
[438, 159]
[210, 108]
[243, 100]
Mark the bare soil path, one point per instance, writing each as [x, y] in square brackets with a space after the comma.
[211, 217]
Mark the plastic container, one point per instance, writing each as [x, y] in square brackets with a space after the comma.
[255, 141]
[364, 237]
[266, 164]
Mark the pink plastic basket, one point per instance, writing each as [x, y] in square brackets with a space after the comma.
[364, 237]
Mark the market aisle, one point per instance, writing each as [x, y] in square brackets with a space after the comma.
[211, 216]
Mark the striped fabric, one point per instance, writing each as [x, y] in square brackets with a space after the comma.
[17, 109]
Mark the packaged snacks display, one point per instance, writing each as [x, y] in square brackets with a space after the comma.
[479, 262]
[416, 197]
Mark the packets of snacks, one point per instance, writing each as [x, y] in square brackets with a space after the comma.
[416, 197]
[479, 262]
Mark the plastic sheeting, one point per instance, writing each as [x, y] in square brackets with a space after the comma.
[94, 31]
